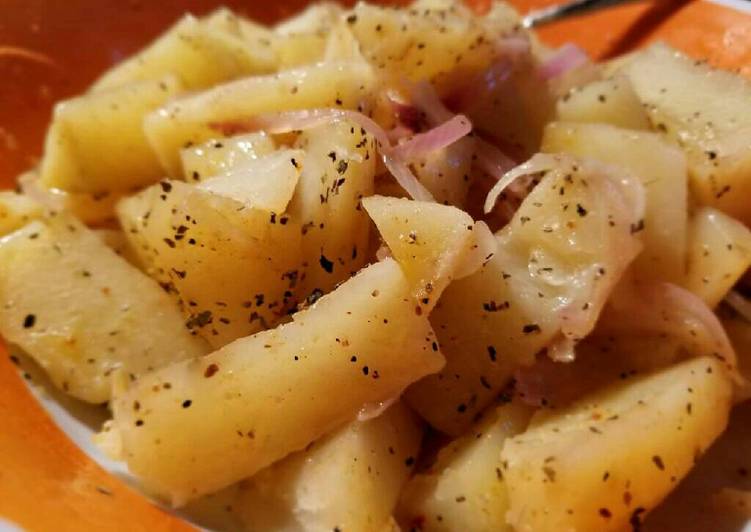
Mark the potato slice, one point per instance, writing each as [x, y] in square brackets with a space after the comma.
[219, 156]
[17, 210]
[338, 171]
[608, 101]
[84, 313]
[266, 183]
[465, 489]
[201, 53]
[349, 480]
[302, 39]
[555, 265]
[234, 268]
[661, 168]
[274, 389]
[186, 122]
[682, 98]
[606, 461]
[430, 241]
[719, 254]
[446, 173]
[96, 144]
[443, 42]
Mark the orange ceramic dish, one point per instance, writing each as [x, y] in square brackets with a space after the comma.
[46, 481]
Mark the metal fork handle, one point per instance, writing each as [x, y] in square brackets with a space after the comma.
[539, 17]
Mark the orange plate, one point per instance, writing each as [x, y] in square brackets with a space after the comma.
[46, 482]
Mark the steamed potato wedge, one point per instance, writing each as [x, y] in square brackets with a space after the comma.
[349, 480]
[719, 254]
[707, 113]
[465, 489]
[278, 390]
[200, 53]
[338, 171]
[82, 312]
[233, 267]
[661, 168]
[79, 158]
[188, 121]
[556, 262]
[430, 241]
[604, 462]
[608, 101]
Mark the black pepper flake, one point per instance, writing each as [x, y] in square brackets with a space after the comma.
[604, 512]
[342, 167]
[365, 370]
[326, 264]
[169, 242]
[139, 422]
[353, 358]
[638, 226]
[351, 19]
[294, 162]
[29, 321]
[166, 186]
[461, 408]
[187, 403]
[531, 328]
[492, 353]
[635, 519]
[210, 371]
[409, 462]
[580, 210]
[658, 462]
[200, 320]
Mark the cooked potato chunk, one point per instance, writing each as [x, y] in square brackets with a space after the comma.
[557, 261]
[278, 390]
[82, 312]
[706, 112]
[17, 210]
[187, 121]
[606, 461]
[80, 158]
[349, 480]
[446, 173]
[661, 169]
[719, 254]
[438, 41]
[338, 171]
[465, 489]
[302, 39]
[608, 101]
[234, 268]
[219, 156]
[430, 241]
[200, 53]
[265, 183]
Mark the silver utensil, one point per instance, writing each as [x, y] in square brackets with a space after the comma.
[539, 17]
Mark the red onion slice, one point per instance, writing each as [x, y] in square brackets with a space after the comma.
[492, 160]
[739, 304]
[426, 99]
[433, 139]
[567, 58]
[540, 162]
